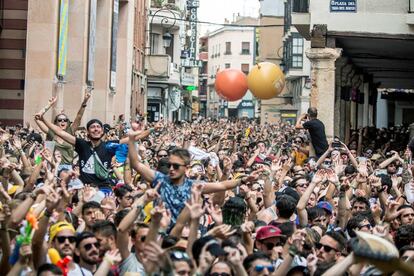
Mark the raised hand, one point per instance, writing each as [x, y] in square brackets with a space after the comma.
[113, 256]
[223, 231]
[194, 205]
[87, 95]
[215, 213]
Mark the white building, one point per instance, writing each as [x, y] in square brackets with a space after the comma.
[167, 78]
[361, 51]
[231, 47]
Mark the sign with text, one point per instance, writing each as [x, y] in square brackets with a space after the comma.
[344, 6]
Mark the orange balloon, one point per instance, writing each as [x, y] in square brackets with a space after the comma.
[231, 84]
[266, 80]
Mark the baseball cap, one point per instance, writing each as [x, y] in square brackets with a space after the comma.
[288, 191]
[326, 206]
[268, 231]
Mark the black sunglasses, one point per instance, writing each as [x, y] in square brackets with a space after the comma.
[326, 248]
[175, 165]
[219, 274]
[62, 120]
[270, 245]
[62, 239]
[162, 155]
[143, 238]
[88, 246]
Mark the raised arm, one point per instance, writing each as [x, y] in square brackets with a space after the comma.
[57, 130]
[81, 110]
[299, 124]
[146, 172]
[301, 207]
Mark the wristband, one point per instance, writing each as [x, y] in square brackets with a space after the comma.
[38, 160]
[293, 251]
[84, 105]
[151, 130]
[47, 213]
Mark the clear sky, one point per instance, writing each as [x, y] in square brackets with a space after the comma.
[217, 10]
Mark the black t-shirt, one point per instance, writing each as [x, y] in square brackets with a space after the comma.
[87, 162]
[317, 133]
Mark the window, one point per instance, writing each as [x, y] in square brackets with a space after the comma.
[297, 51]
[245, 48]
[155, 39]
[245, 67]
[227, 65]
[228, 48]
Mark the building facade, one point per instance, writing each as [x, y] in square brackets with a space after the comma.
[282, 44]
[361, 73]
[170, 69]
[13, 31]
[62, 48]
[231, 47]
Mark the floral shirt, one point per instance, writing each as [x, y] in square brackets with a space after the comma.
[173, 196]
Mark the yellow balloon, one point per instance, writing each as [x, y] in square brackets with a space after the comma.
[266, 80]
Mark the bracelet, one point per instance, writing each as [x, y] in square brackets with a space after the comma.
[47, 213]
[84, 105]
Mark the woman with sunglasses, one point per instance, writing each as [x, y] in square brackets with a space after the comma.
[63, 122]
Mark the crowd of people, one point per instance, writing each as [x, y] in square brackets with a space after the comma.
[211, 197]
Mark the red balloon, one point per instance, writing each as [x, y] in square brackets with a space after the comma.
[231, 84]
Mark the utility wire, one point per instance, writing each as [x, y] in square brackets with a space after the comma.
[220, 24]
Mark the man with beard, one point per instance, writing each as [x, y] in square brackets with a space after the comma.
[175, 188]
[87, 250]
[62, 238]
[105, 232]
[92, 151]
[329, 249]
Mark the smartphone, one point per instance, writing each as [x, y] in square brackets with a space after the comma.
[380, 172]
[336, 143]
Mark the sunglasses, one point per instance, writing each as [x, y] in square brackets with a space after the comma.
[365, 225]
[175, 166]
[270, 246]
[162, 155]
[260, 268]
[178, 255]
[88, 246]
[302, 185]
[62, 239]
[61, 120]
[326, 248]
[219, 274]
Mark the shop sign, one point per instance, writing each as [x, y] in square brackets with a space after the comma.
[344, 6]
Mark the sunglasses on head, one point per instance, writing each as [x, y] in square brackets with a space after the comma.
[62, 239]
[178, 255]
[175, 166]
[88, 246]
[260, 268]
[326, 248]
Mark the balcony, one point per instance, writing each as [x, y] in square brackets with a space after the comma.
[410, 15]
[301, 17]
[158, 66]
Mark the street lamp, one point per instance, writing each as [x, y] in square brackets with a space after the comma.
[167, 38]
[167, 21]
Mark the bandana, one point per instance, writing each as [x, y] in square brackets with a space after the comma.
[59, 226]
